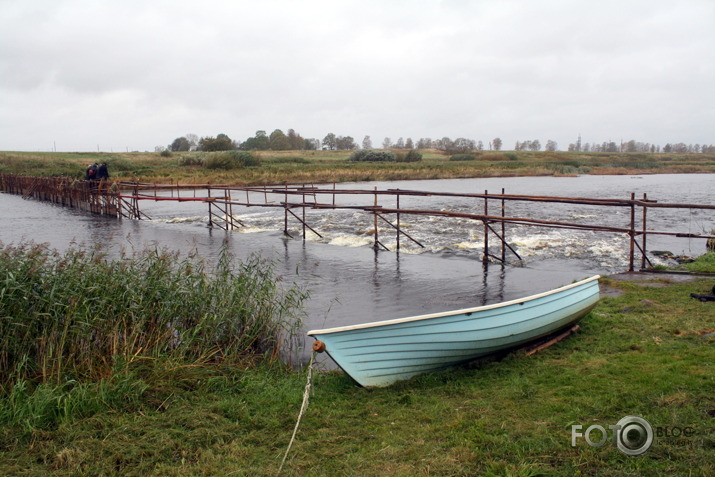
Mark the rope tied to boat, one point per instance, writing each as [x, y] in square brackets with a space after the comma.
[303, 407]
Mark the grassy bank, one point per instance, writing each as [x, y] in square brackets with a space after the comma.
[648, 352]
[703, 264]
[294, 167]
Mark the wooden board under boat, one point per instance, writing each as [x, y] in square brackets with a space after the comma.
[380, 353]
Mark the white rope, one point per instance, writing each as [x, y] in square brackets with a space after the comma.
[303, 407]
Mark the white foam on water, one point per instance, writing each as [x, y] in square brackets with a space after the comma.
[469, 245]
[608, 247]
[531, 245]
[410, 249]
[250, 229]
[182, 220]
[370, 231]
[350, 241]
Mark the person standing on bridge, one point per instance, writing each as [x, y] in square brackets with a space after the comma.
[91, 173]
[102, 172]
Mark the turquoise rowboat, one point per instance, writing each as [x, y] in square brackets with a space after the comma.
[380, 353]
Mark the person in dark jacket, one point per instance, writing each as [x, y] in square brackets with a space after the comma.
[102, 171]
[91, 174]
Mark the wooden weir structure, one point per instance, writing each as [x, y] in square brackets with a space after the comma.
[122, 200]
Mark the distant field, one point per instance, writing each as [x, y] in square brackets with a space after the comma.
[281, 167]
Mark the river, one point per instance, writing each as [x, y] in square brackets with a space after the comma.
[351, 283]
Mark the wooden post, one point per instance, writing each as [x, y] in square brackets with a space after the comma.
[643, 242]
[632, 233]
[485, 256]
[229, 209]
[285, 212]
[208, 193]
[374, 214]
[503, 232]
[135, 201]
[398, 220]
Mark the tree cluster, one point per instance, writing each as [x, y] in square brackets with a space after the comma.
[534, 145]
[276, 141]
[191, 142]
[689, 148]
[332, 142]
[644, 147]
[445, 144]
[219, 143]
[280, 141]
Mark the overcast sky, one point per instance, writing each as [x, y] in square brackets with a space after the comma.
[131, 75]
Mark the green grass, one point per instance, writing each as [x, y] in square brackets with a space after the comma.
[702, 264]
[644, 353]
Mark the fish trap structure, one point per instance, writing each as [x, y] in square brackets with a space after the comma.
[97, 197]
[489, 210]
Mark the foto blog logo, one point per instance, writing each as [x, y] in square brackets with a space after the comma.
[633, 435]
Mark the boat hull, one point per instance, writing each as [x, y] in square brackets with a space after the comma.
[381, 353]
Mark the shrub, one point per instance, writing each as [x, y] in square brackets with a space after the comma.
[411, 156]
[230, 160]
[367, 155]
[463, 157]
[165, 153]
[511, 156]
[195, 159]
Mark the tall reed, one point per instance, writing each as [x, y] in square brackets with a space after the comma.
[80, 316]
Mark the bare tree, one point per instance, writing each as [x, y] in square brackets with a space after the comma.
[192, 138]
[367, 143]
[424, 143]
[462, 144]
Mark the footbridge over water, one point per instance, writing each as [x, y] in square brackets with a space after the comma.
[123, 200]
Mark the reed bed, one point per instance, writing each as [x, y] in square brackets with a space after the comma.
[80, 317]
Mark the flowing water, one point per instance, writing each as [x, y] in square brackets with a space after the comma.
[351, 283]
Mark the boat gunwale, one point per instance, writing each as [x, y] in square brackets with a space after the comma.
[409, 319]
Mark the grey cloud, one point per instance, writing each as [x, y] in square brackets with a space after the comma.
[149, 72]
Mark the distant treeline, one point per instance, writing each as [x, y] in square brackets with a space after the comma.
[280, 141]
